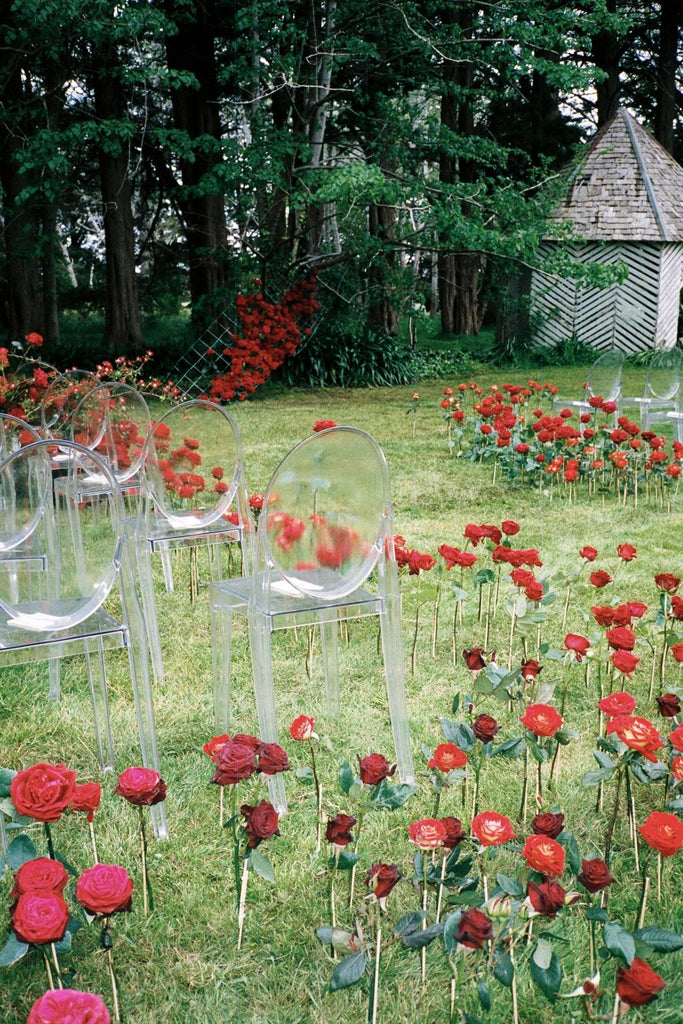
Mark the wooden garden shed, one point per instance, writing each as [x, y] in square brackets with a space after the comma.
[624, 202]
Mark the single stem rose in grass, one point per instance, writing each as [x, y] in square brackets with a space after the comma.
[302, 730]
[142, 787]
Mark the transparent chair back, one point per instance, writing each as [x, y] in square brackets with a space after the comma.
[604, 376]
[61, 399]
[113, 420]
[664, 375]
[30, 380]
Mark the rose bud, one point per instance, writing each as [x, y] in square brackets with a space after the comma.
[381, 879]
[530, 668]
[547, 825]
[626, 552]
[499, 906]
[638, 984]
[589, 553]
[474, 929]
[374, 768]
[677, 652]
[214, 745]
[141, 786]
[448, 757]
[68, 1006]
[302, 728]
[454, 832]
[668, 582]
[40, 917]
[669, 705]
[600, 578]
[272, 759]
[427, 834]
[485, 728]
[677, 608]
[338, 831]
[546, 898]
[260, 822]
[473, 659]
[510, 527]
[594, 875]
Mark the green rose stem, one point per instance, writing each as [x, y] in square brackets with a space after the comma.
[318, 798]
[413, 653]
[435, 616]
[513, 987]
[513, 619]
[539, 785]
[242, 910]
[48, 970]
[357, 828]
[659, 877]
[525, 787]
[496, 589]
[487, 624]
[48, 837]
[480, 610]
[221, 806]
[55, 961]
[333, 908]
[484, 879]
[93, 843]
[633, 829]
[439, 898]
[143, 858]
[374, 988]
[438, 786]
[106, 943]
[613, 821]
[423, 951]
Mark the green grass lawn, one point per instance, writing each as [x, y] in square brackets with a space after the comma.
[181, 964]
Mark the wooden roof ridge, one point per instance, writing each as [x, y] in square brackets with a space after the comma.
[625, 187]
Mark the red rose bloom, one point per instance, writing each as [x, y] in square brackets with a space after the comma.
[272, 759]
[669, 705]
[677, 652]
[510, 527]
[676, 737]
[40, 917]
[663, 832]
[580, 645]
[594, 875]
[530, 668]
[603, 614]
[235, 762]
[323, 425]
[374, 768]
[485, 728]
[43, 791]
[381, 879]
[338, 831]
[542, 720]
[474, 929]
[677, 608]
[620, 703]
[621, 638]
[87, 799]
[40, 875]
[68, 1006]
[454, 832]
[677, 768]
[600, 578]
[473, 658]
[668, 582]
[34, 339]
[492, 829]
[447, 757]
[105, 889]
[638, 734]
[546, 899]
[624, 662]
[302, 728]
[547, 824]
[589, 553]
[260, 822]
[636, 609]
[214, 745]
[544, 854]
[454, 556]
[638, 984]
[522, 577]
[141, 786]
[427, 834]
[626, 552]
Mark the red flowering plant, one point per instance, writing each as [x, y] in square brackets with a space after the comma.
[104, 890]
[412, 564]
[142, 787]
[302, 730]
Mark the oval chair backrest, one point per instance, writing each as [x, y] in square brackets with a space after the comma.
[324, 519]
[192, 464]
[15, 434]
[61, 399]
[664, 374]
[85, 544]
[113, 420]
[604, 376]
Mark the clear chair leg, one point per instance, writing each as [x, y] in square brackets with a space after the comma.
[54, 667]
[167, 570]
[329, 642]
[143, 558]
[392, 650]
[260, 637]
[221, 634]
[99, 696]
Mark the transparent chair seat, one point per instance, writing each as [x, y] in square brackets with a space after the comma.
[604, 378]
[24, 646]
[662, 392]
[322, 532]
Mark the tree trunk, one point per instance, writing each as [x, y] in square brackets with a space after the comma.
[382, 309]
[607, 57]
[666, 73]
[121, 316]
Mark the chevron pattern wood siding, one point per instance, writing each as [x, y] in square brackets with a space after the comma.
[670, 284]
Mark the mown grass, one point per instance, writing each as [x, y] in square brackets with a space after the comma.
[181, 964]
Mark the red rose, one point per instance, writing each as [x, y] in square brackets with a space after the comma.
[594, 875]
[677, 608]
[492, 829]
[624, 662]
[214, 745]
[105, 889]
[589, 553]
[261, 822]
[302, 728]
[338, 831]
[40, 917]
[141, 786]
[447, 757]
[546, 899]
[474, 929]
[677, 651]
[247, 740]
[68, 1006]
[663, 832]
[542, 720]
[236, 761]
[256, 501]
[668, 582]
[530, 668]
[626, 552]
[381, 879]
[600, 578]
[638, 984]
[427, 834]
[473, 658]
[485, 728]
[374, 768]
[620, 703]
[609, 407]
[677, 768]
[603, 614]
[323, 425]
[510, 527]
[272, 759]
[454, 832]
[522, 577]
[87, 799]
[669, 704]
[40, 875]
[43, 791]
[638, 734]
[577, 643]
[547, 824]
[34, 339]
[544, 854]
[454, 556]
[473, 533]
[621, 638]
[534, 591]
[676, 737]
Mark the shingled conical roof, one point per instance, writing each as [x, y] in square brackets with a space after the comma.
[627, 187]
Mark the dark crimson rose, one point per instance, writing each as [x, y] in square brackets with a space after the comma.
[214, 745]
[492, 829]
[260, 822]
[547, 898]
[40, 917]
[547, 824]
[594, 875]
[40, 875]
[247, 740]
[492, 532]
[609, 407]
[447, 757]
[638, 984]
[338, 831]
[589, 553]
[454, 832]
[68, 1006]
[577, 643]
[522, 577]
[381, 879]
[603, 614]
[534, 591]
[600, 578]
[668, 582]
[638, 734]
[636, 609]
[141, 786]
[473, 658]
[620, 703]
[663, 832]
[272, 759]
[235, 762]
[43, 791]
[669, 705]
[677, 608]
[302, 728]
[542, 720]
[485, 728]
[621, 638]
[374, 768]
[530, 668]
[677, 652]
[676, 737]
[105, 889]
[624, 662]
[544, 854]
[87, 799]
[454, 556]
[427, 834]
[626, 552]
[510, 527]
[474, 929]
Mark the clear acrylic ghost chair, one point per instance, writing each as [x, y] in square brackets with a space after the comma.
[326, 524]
[194, 497]
[662, 392]
[59, 403]
[93, 562]
[604, 378]
[30, 556]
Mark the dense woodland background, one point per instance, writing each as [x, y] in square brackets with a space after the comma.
[158, 155]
